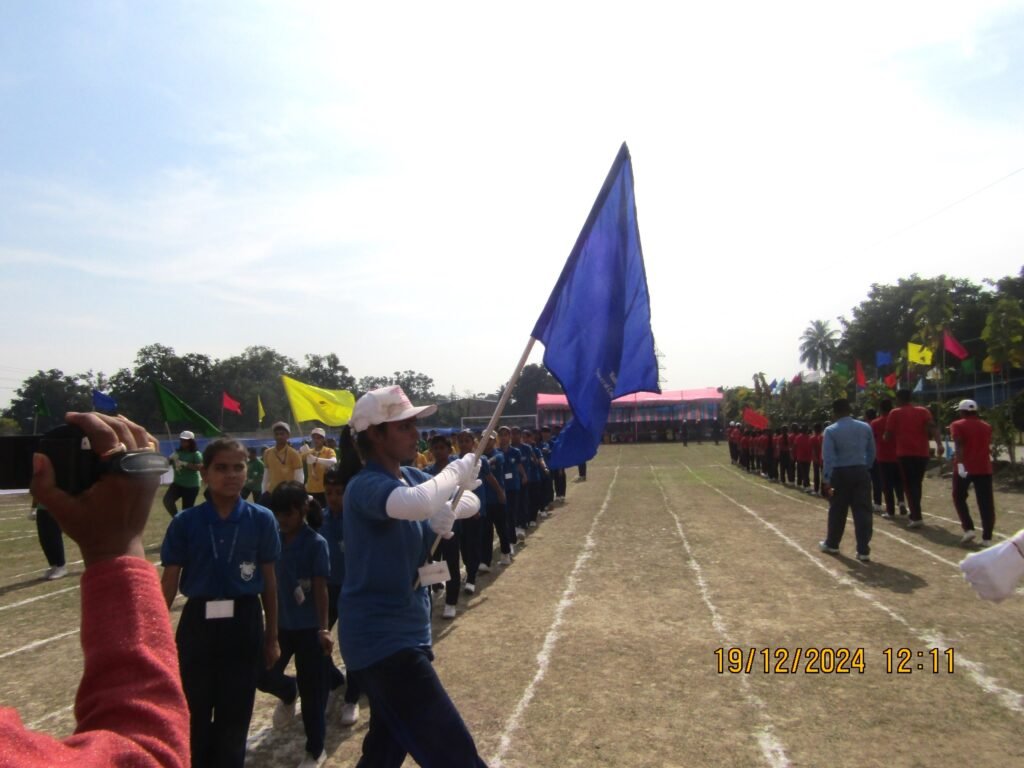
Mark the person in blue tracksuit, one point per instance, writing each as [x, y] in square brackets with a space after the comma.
[392, 515]
[495, 518]
[515, 484]
[221, 555]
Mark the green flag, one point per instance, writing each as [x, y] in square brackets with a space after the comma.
[841, 368]
[41, 408]
[967, 366]
[174, 408]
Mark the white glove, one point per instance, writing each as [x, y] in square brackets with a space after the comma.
[961, 470]
[995, 572]
[472, 486]
[468, 469]
[310, 459]
[442, 520]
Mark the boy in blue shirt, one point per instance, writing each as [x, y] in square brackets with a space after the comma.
[515, 483]
[221, 554]
[495, 518]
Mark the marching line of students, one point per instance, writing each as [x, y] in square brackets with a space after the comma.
[902, 436]
[341, 543]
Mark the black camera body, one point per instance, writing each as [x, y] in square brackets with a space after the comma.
[76, 466]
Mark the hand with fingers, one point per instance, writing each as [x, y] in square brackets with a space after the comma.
[108, 519]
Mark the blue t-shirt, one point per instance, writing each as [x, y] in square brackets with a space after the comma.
[513, 459]
[379, 612]
[221, 559]
[496, 462]
[333, 532]
[302, 559]
[483, 490]
[533, 471]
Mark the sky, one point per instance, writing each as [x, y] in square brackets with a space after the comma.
[400, 184]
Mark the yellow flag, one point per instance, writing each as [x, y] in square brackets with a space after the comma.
[988, 365]
[259, 409]
[333, 407]
[918, 354]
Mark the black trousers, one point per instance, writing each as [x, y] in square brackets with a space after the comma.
[892, 485]
[560, 480]
[411, 714]
[734, 453]
[493, 521]
[817, 477]
[786, 473]
[50, 537]
[220, 661]
[175, 492]
[803, 474]
[311, 681]
[534, 499]
[469, 546]
[851, 489]
[982, 494]
[336, 676]
[450, 551]
[912, 468]
[582, 469]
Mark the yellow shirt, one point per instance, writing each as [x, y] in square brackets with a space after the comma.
[421, 460]
[316, 472]
[280, 466]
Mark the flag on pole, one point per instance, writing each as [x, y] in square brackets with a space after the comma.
[173, 408]
[596, 325]
[841, 368]
[954, 347]
[918, 354]
[755, 419]
[259, 410]
[989, 365]
[862, 380]
[892, 380]
[883, 358]
[42, 409]
[967, 366]
[228, 403]
[103, 402]
[332, 407]
[919, 387]
[799, 380]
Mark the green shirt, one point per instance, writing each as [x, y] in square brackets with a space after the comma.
[254, 475]
[185, 477]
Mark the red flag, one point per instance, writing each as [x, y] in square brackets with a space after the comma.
[862, 380]
[892, 380]
[755, 419]
[796, 380]
[228, 403]
[954, 347]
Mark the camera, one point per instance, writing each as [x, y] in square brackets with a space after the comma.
[76, 466]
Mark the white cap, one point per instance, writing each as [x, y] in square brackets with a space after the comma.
[186, 435]
[281, 425]
[318, 431]
[967, 405]
[385, 405]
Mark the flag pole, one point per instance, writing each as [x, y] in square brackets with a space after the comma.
[485, 436]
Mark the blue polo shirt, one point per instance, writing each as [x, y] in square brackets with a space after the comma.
[847, 443]
[333, 532]
[302, 559]
[496, 462]
[533, 471]
[221, 559]
[513, 459]
[379, 612]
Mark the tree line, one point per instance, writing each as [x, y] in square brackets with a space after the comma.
[200, 380]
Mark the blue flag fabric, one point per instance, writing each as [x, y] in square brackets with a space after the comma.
[596, 326]
[920, 384]
[103, 402]
[883, 358]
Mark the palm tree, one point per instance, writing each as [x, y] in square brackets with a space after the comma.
[818, 345]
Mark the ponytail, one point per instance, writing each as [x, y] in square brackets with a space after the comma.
[351, 449]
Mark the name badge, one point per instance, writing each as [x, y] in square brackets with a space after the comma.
[300, 596]
[220, 609]
[434, 573]
[508, 475]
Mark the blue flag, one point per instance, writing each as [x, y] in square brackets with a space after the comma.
[883, 358]
[596, 326]
[920, 384]
[102, 402]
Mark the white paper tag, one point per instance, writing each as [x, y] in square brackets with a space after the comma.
[508, 475]
[300, 596]
[220, 609]
[434, 573]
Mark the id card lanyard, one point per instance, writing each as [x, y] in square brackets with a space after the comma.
[223, 566]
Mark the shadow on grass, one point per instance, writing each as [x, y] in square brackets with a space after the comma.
[883, 576]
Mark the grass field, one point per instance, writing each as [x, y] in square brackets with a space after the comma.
[597, 647]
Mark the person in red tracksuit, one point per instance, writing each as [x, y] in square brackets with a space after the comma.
[888, 467]
[802, 455]
[816, 459]
[745, 450]
[911, 427]
[130, 708]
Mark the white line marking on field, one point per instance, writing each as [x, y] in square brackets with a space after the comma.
[41, 570]
[37, 597]
[772, 748]
[1007, 697]
[514, 721]
[51, 716]
[17, 538]
[38, 643]
[874, 528]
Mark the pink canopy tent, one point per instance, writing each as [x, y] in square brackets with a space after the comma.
[673, 406]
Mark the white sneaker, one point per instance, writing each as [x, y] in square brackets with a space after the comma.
[986, 542]
[469, 588]
[284, 713]
[483, 568]
[520, 534]
[56, 572]
[879, 509]
[505, 560]
[449, 612]
[915, 524]
[349, 714]
[532, 524]
[32, 514]
[888, 516]
[968, 537]
[827, 549]
[313, 762]
[864, 558]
